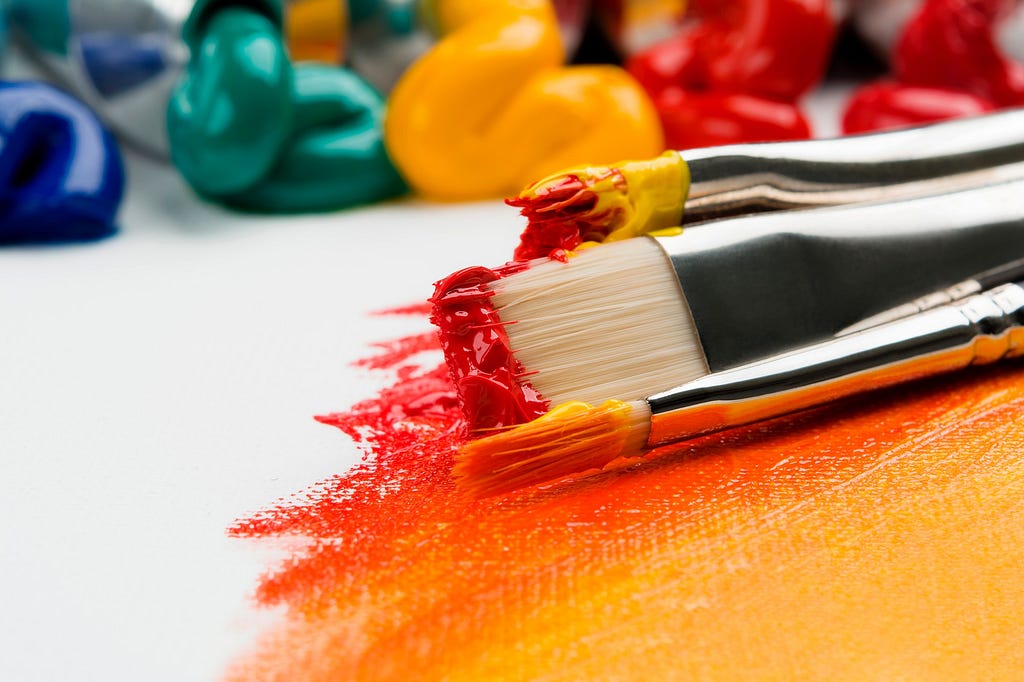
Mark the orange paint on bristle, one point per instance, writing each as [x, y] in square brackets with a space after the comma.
[879, 534]
[571, 438]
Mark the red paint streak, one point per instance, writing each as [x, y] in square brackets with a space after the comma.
[884, 105]
[409, 433]
[488, 379]
[398, 351]
[422, 309]
[562, 215]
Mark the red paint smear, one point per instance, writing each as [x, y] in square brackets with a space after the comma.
[561, 216]
[409, 434]
[423, 308]
[489, 380]
[393, 353]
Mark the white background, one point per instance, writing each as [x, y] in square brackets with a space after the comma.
[158, 385]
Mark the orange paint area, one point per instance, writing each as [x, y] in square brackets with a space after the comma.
[878, 538]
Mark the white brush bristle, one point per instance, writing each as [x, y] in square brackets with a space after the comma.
[610, 323]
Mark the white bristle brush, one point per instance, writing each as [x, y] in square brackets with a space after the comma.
[625, 319]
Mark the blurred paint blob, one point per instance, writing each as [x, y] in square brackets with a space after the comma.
[949, 58]
[734, 71]
[490, 108]
[61, 174]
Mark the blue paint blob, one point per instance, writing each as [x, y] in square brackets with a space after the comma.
[61, 173]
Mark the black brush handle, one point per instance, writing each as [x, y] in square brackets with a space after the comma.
[740, 179]
[768, 283]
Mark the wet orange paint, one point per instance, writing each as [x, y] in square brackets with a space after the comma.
[881, 537]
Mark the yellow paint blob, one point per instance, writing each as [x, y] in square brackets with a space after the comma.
[490, 107]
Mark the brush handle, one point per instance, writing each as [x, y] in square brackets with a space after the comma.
[749, 178]
[979, 330]
[761, 285]
[959, 291]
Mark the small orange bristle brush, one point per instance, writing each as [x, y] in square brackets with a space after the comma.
[594, 204]
[576, 437]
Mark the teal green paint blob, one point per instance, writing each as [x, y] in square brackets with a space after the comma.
[336, 157]
[249, 129]
[46, 23]
[231, 112]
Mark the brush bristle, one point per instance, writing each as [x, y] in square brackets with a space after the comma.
[569, 439]
[610, 323]
[595, 204]
[567, 209]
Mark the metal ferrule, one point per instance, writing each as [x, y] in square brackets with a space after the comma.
[761, 285]
[979, 330]
[1007, 272]
[749, 178]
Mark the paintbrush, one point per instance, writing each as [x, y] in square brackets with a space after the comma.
[625, 319]
[609, 203]
[576, 437]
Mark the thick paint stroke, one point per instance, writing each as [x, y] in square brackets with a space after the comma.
[881, 537]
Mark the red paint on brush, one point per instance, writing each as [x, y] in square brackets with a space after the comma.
[487, 377]
[562, 215]
[880, 106]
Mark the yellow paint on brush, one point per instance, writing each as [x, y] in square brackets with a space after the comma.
[489, 107]
[656, 190]
[624, 200]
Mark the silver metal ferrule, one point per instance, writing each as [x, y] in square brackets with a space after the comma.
[979, 330]
[765, 284]
[941, 157]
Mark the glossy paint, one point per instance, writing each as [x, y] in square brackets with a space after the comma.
[884, 105]
[490, 107]
[734, 72]
[592, 204]
[61, 173]
[250, 129]
[491, 383]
